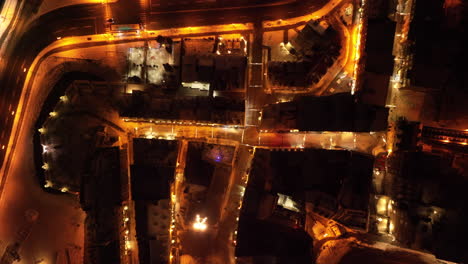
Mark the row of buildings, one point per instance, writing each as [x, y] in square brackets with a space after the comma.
[419, 191]
[338, 112]
[191, 66]
[316, 47]
[286, 188]
[220, 110]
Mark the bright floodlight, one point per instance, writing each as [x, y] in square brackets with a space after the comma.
[200, 223]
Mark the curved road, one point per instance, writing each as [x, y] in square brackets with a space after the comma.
[89, 19]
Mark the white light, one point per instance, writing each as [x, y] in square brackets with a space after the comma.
[53, 114]
[64, 189]
[200, 223]
[45, 149]
[64, 98]
[45, 166]
[150, 135]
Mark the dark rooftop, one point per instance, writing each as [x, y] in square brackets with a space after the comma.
[153, 169]
[151, 182]
[341, 174]
[379, 46]
[212, 109]
[155, 152]
[337, 112]
[261, 238]
[198, 170]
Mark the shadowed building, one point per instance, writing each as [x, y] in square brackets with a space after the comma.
[337, 112]
[151, 176]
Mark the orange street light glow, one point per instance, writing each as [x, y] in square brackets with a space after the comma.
[200, 223]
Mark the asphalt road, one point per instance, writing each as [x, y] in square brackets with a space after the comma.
[79, 20]
[89, 19]
[236, 15]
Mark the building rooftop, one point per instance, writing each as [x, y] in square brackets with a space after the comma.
[219, 110]
[153, 169]
[197, 170]
[261, 238]
[328, 179]
[154, 152]
[379, 46]
[337, 112]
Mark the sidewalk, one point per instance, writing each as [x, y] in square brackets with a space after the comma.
[6, 15]
[50, 5]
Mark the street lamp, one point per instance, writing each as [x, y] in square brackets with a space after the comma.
[200, 223]
[45, 149]
[48, 184]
